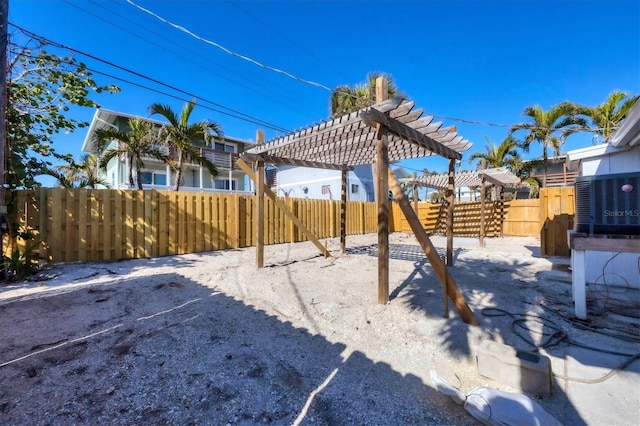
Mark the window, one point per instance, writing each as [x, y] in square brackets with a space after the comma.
[355, 188]
[224, 184]
[149, 178]
[326, 189]
[221, 146]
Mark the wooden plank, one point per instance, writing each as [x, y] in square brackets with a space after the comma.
[281, 205]
[140, 220]
[382, 194]
[190, 222]
[215, 222]
[260, 189]
[130, 224]
[373, 117]
[199, 219]
[43, 227]
[83, 215]
[625, 245]
[172, 234]
[207, 231]
[430, 251]
[150, 224]
[95, 222]
[450, 206]
[108, 229]
[164, 221]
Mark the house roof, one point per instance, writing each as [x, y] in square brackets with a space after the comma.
[107, 118]
[350, 140]
[629, 131]
[499, 176]
[626, 137]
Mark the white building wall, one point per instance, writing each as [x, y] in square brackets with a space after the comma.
[304, 182]
[618, 162]
[618, 269]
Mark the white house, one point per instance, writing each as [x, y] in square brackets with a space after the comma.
[621, 155]
[157, 175]
[305, 182]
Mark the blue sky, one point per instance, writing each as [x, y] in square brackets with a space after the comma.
[479, 61]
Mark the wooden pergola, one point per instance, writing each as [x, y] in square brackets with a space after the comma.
[497, 176]
[390, 130]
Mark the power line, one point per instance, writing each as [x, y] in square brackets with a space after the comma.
[186, 58]
[236, 4]
[230, 52]
[95, 71]
[238, 114]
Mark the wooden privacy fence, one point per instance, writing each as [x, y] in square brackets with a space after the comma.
[517, 218]
[94, 225]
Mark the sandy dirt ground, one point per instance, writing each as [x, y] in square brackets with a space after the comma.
[210, 339]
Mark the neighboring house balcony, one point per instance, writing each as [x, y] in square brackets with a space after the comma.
[563, 178]
[557, 171]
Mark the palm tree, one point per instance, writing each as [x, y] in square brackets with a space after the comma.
[83, 174]
[180, 136]
[606, 117]
[139, 142]
[503, 155]
[345, 99]
[544, 127]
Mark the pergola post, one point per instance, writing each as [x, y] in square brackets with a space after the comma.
[343, 212]
[482, 202]
[382, 197]
[450, 202]
[501, 211]
[259, 218]
[415, 193]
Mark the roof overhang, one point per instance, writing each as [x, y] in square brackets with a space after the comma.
[107, 118]
[629, 131]
[575, 156]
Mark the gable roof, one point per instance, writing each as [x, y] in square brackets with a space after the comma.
[350, 140]
[106, 118]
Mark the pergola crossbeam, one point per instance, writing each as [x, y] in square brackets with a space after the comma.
[373, 117]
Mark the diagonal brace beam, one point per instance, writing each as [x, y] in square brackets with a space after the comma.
[427, 246]
[285, 209]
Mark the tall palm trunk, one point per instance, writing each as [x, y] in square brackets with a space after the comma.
[176, 187]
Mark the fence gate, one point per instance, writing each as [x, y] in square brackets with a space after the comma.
[557, 209]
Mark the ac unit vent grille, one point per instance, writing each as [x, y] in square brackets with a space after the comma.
[608, 204]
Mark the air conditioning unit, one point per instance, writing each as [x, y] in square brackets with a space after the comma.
[608, 204]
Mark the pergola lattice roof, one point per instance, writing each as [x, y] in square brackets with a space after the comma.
[350, 140]
[498, 176]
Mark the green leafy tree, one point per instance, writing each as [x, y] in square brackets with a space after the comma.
[137, 143]
[42, 87]
[345, 99]
[183, 137]
[606, 118]
[82, 174]
[547, 128]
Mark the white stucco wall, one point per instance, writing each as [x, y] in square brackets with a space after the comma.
[304, 182]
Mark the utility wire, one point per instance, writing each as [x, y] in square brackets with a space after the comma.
[95, 71]
[280, 94]
[238, 113]
[230, 52]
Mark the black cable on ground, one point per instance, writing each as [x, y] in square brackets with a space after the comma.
[554, 338]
